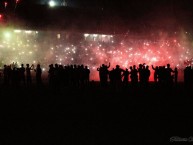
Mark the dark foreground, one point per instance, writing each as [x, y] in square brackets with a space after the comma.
[94, 115]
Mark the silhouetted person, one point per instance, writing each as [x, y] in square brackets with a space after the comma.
[141, 73]
[86, 75]
[38, 71]
[156, 72]
[125, 77]
[134, 76]
[103, 74]
[22, 74]
[51, 75]
[146, 75]
[118, 76]
[28, 74]
[168, 75]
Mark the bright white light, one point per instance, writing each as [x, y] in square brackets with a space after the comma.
[86, 35]
[28, 32]
[52, 3]
[17, 31]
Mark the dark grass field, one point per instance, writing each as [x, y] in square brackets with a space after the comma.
[94, 115]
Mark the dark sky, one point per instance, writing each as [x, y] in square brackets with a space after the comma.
[103, 14]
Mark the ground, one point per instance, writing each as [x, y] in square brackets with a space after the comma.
[94, 115]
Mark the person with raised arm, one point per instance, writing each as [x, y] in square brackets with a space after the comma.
[155, 76]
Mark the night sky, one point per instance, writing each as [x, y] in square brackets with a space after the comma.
[90, 15]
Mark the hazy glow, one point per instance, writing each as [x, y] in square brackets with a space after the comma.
[7, 35]
[67, 48]
[52, 3]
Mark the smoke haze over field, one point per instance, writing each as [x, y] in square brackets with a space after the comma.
[69, 48]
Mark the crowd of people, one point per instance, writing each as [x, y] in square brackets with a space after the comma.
[73, 75]
[12, 74]
[162, 75]
[58, 75]
[79, 75]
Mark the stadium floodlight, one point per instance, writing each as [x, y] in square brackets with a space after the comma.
[52, 3]
[86, 35]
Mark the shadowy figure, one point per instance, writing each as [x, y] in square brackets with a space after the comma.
[168, 75]
[156, 72]
[134, 76]
[38, 71]
[103, 74]
[125, 76]
[141, 74]
[28, 74]
[118, 76]
[51, 75]
[146, 76]
[22, 73]
[86, 75]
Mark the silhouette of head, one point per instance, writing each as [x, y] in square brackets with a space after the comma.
[56, 65]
